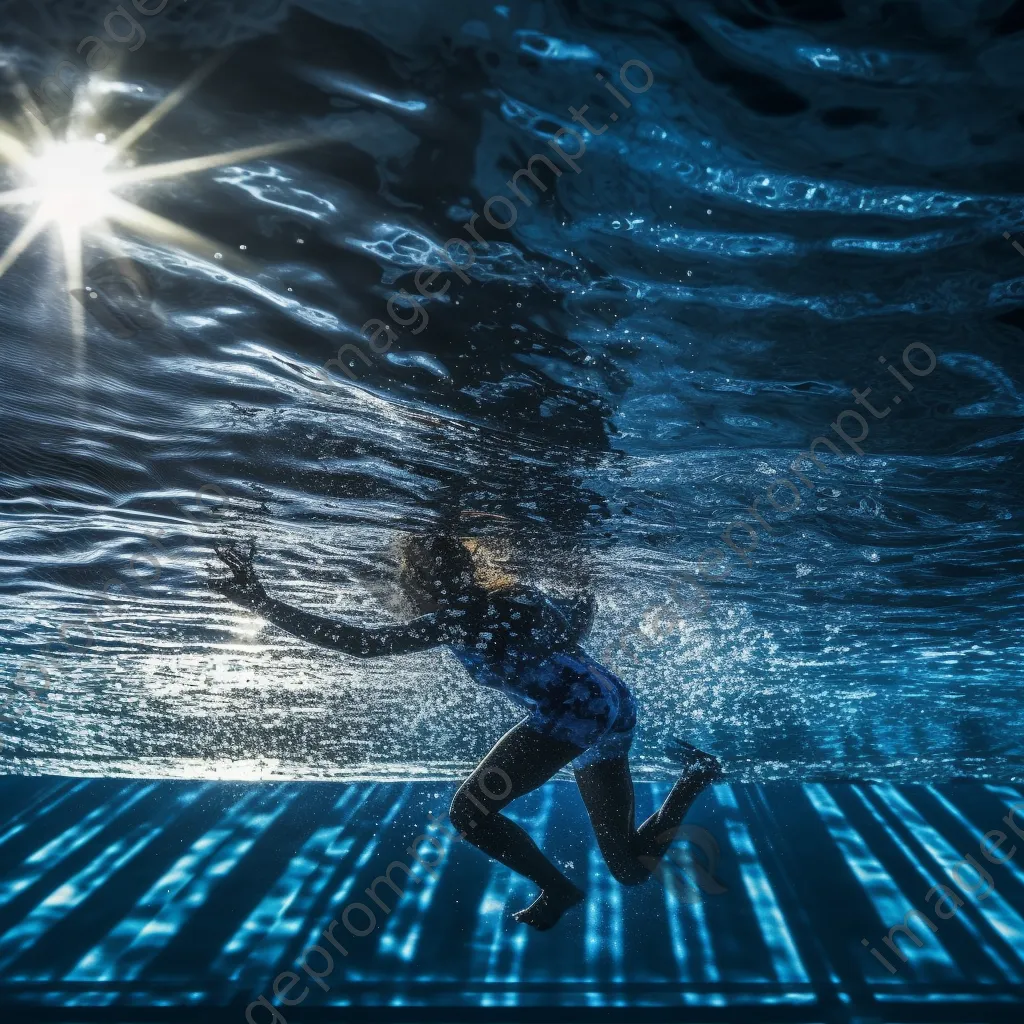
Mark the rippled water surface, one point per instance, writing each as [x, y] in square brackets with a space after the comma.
[627, 371]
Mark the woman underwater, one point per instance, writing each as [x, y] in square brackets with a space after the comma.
[516, 640]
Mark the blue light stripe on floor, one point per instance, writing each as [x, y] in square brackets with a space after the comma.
[890, 903]
[498, 950]
[1001, 917]
[1014, 864]
[81, 886]
[238, 911]
[785, 959]
[928, 879]
[490, 918]
[70, 894]
[266, 933]
[73, 839]
[50, 798]
[276, 903]
[416, 900]
[340, 897]
[159, 914]
[516, 942]
[692, 947]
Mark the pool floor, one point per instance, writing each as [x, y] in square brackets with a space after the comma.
[137, 900]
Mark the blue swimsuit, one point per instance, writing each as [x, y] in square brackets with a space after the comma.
[528, 655]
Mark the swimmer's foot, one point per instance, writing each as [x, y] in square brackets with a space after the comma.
[547, 909]
[696, 763]
[700, 769]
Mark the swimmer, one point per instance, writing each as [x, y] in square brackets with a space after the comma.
[516, 640]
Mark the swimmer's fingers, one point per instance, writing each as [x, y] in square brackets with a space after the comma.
[238, 562]
[248, 593]
[229, 586]
[226, 552]
[243, 586]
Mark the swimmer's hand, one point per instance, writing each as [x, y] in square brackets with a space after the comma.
[581, 617]
[243, 586]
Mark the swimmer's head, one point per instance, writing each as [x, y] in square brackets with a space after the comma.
[440, 568]
[435, 570]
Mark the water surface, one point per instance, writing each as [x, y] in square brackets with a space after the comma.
[802, 191]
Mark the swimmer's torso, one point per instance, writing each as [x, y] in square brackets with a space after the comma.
[504, 640]
[519, 642]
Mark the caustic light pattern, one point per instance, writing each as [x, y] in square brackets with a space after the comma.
[112, 893]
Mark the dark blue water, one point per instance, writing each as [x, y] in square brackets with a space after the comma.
[626, 372]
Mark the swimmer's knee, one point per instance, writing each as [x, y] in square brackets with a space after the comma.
[632, 876]
[629, 872]
[461, 811]
[468, 810]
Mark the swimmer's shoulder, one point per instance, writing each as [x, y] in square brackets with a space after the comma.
[517, 599]
[512, 609]
[526, 609]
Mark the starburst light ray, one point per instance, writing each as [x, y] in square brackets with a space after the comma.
[72, 181]
[192, 165]
[30, 109]
[132, 135]
[24, 238]
[162, 228]
[71, 240]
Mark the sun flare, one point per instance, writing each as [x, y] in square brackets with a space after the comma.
[73, 182]
[71, 185]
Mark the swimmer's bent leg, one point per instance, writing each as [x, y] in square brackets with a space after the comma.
[519, 762]
[630, 853]
[607, 790]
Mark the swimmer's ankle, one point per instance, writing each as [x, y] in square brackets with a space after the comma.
[547, 909]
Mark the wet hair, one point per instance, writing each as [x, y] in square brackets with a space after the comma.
[438, 566]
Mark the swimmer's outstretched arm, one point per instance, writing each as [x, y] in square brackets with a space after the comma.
[243, 587]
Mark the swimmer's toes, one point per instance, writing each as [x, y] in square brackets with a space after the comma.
[693, 759]
[547, 909]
